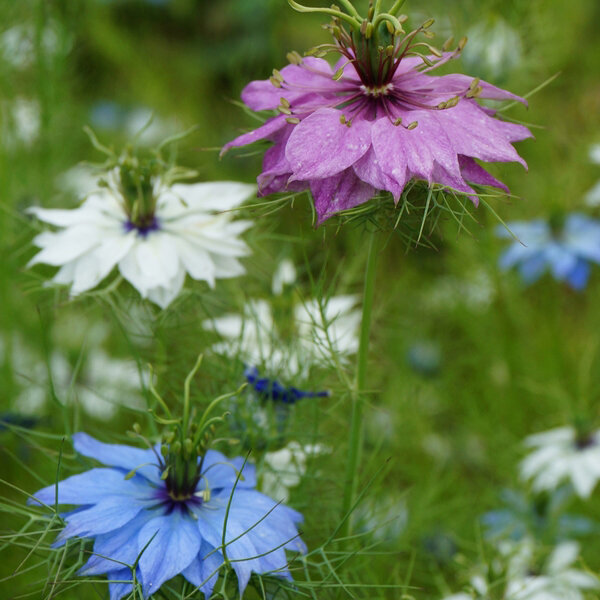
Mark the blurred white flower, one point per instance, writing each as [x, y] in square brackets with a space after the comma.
[494, 49]
[98, 384]
[284, 468]
[474, 291]
[18, 43]
[516, 576]
[592, 198]
[559, 455]
[284, 275]
[558, 580]
[322, 329]
[183, 232]
[21, 123]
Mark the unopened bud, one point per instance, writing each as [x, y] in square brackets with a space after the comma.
[188, 446]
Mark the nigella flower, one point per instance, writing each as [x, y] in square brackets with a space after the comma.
[271, 389]
[523, 577]
[319, 330]
[174, 525]
[563, 454]
[153, 231]
[377, 119]
[565, 250]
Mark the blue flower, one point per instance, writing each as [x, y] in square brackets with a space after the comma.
[565, 251]
[131, 514]
[271, 389]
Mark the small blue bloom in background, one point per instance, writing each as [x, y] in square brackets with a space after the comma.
[131, 517]
[425, 358]
[271, 389]
[566, 251]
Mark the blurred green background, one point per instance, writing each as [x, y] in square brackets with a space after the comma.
[465, 361]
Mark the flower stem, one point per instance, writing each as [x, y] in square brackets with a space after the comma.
[356, 437]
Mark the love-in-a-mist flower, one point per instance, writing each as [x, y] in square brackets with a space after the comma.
[526, 578]
[153, 230]
[174, 525]
[178, 507]
[561, 455]
[563, 247]
[319, 329]
[377, 119]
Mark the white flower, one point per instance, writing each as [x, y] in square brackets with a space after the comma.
[21, 122]
[284, 275]
[99, 385]
[475, 292]
[595, 154]
[494, 49]
[558, 581]
[184, 233]
[284, 468]
[558, 456]
[18, 43]
[592, 198]
[321, 330]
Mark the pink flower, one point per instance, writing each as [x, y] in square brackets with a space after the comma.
[376, 120]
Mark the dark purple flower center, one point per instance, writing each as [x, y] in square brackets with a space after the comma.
[143, 226]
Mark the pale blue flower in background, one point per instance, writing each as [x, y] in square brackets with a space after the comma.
[138, 519]
[565, 251]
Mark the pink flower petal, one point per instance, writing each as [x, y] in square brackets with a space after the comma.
[341, 192]
[321, 146]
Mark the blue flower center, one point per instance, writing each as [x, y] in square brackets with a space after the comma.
[143, 227]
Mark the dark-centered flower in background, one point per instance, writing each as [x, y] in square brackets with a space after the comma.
[377, 119]
[171, 529]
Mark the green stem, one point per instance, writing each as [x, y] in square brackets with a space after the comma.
[356, 438]
[397, 6]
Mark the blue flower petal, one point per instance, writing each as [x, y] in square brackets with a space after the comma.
[171, 543]
[579, 275]
[119, 590]
[113, 549]
[109, 514]
[203, 572]
[220, 473]
[90, 487]
[532, 269]
[119, 455]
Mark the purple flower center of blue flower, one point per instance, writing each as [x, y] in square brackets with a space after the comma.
[144, 227]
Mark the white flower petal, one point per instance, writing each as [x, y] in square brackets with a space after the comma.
[214, 196]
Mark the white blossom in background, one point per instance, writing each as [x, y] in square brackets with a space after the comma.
[18, 43]
[558, 456]
[558, 580]
[475, 291]
[186, 232]
[494, 49]
[283, 469]
[285, 275]
[321, 329]
[99, 385]
[21, 122]
[520, 577]
[592, 198]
